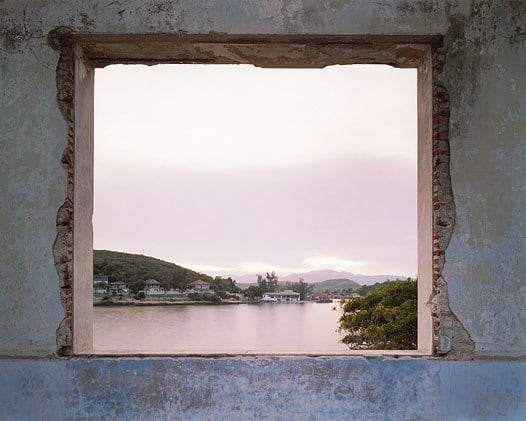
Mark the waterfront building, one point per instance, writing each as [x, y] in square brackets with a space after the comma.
[287, 296]
[153, 287]
[119, 287]
[200, 285]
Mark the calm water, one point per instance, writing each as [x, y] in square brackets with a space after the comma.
[240, 328]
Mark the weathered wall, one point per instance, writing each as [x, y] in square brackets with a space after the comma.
[237, 389]
[486, 262]
[483, 278]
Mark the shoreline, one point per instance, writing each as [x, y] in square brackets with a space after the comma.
[138, 303]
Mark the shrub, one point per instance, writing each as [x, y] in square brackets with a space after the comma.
[211, 298]
[140, 295]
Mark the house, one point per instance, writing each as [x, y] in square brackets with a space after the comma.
[99, 290]
[152, 284]
[153, 287]
[119, 287]
[286, 296]
[200, 285]
[100, 284]
[324, 298]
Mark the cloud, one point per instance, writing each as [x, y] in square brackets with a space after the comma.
[335, 263]
[245, 268]
[208, 269]
[311, 263]
[261, 267]
[217, 117]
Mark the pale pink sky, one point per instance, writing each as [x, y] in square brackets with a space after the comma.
[234, 169]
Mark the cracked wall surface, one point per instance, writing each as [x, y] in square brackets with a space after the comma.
[482, 232]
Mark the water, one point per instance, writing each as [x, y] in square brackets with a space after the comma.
[238, 328]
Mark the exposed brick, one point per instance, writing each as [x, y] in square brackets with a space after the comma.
[63, 244]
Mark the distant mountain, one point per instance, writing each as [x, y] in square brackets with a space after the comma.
[136, 268]
[328, 285]
[335, 285]
[317, 276]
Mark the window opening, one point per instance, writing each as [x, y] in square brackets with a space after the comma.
[236, 171]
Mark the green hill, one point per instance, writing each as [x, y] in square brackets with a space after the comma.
[335, 285]
[136, 268]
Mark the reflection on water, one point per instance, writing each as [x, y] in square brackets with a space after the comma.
[256, 328]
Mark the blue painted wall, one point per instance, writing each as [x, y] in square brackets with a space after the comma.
[240, 389]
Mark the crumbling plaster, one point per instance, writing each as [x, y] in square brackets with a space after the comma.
[483, 273]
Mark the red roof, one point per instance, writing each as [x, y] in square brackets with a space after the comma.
[199, 282]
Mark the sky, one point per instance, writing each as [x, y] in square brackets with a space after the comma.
[233, 169]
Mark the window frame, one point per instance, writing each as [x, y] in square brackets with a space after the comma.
[80, 54]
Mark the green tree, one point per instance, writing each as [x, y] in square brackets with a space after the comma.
[140, 295]
[366, 289]
[178, 282]
[384, 319]
[262, 283]
[269, 283]
[272, 282]
[223, 285]
[301, 287]
[253, 292]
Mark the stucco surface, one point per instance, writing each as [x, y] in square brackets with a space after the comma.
[286, 389]
[486, 263]
[484, 274]
[31, 128]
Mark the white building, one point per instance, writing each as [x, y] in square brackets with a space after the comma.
[153, 287]
[286, 296]
[200, 285]
[119, 287]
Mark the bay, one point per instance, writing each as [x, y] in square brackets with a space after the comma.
[308, 328]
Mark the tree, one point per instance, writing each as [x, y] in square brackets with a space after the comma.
[301, 287]
[272, 282]
[366, 289]
[140, 295]
[253, 292]
[223, 285]
[385, 319]
[178, 283]
[269, 283]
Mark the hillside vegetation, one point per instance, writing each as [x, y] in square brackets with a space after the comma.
[136, 268]
[331, 285]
